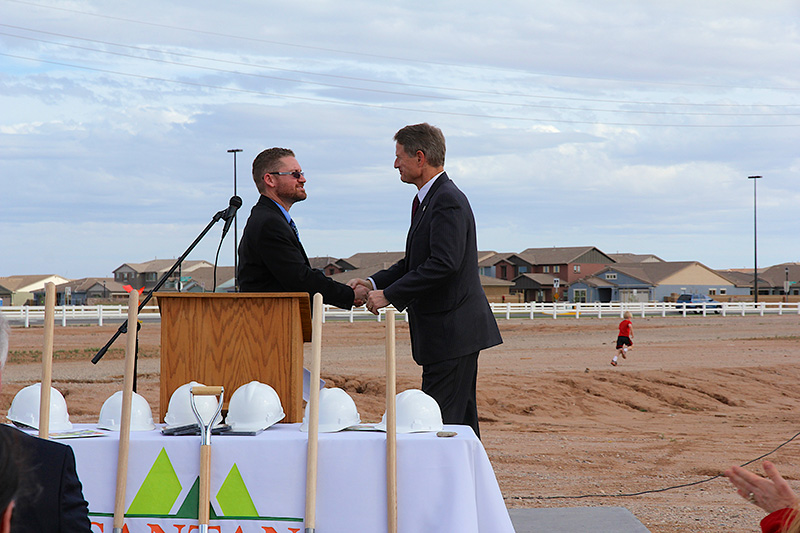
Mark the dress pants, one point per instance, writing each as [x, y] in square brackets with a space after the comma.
[452, 384]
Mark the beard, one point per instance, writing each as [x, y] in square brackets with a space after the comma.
[291, 193]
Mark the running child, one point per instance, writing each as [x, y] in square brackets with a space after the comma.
[625, 338]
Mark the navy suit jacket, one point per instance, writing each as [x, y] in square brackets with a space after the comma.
[50, 497]
[272, 259]
[438, 280]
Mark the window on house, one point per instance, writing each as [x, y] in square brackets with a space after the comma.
[150, 276]
[712, 292]
[546, 269]
[576, 268]
[611, 275]
[579, 296]
[723, 291]
[503, 271]
[557, 269]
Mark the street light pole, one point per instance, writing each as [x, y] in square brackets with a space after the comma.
[755, 239]
[234, 151]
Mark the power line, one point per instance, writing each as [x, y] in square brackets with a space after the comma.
[363, 89]
[392, 58]
[369, 80]
[652, 491]
[391, 107]
[395, 108]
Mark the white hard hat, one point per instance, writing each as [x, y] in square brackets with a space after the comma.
[415, 412]
[179, 411]
[337, 411]
[111, 413]
[253, 407]
[25, 408]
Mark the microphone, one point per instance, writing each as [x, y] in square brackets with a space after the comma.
[230, 213]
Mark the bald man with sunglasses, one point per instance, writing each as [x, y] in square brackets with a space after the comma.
[271, 256]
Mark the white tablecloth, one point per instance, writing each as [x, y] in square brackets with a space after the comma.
[258, 482]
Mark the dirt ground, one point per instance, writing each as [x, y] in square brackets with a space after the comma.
[561, 426]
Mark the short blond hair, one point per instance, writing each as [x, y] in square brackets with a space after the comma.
[627, 314]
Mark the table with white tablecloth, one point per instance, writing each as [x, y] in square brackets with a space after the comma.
[258, 482]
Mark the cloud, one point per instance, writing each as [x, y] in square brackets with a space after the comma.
[632, 127]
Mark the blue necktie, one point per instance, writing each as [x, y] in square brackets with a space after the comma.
[294, 228]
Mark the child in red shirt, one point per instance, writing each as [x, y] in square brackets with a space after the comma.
[625, 338]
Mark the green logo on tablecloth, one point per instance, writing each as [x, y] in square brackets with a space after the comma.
[233, 497]
[160, 489]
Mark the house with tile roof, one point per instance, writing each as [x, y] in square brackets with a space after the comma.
[651, 281]
[18, 290]
[147, 274]
[85, 291]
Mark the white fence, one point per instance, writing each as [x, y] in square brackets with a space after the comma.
[530, 310]
[83, 314]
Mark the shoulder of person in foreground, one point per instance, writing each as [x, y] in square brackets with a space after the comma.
[52, 497]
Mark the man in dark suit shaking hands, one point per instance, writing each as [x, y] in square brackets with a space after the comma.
[437, 280]
[271, 256]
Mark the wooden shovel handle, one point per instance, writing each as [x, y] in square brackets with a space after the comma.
[207, 390]
[203, 512]
[47, 359]
[313, 415]
[125, 418]
[391, 425]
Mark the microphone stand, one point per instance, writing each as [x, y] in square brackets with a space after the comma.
[124, 327]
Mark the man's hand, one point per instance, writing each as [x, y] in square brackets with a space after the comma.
[375, 301]
[355, 282]
[360, 294]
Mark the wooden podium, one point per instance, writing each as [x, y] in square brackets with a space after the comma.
[230, 339]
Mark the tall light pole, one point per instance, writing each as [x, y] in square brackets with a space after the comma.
[234, 151]
[755, 239]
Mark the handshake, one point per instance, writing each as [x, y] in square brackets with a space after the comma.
[365, 295]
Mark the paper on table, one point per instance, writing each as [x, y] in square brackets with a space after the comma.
[78, 433]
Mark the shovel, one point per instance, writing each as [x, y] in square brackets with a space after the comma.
[203, 512]
[47, 359]
[313, 417]
[391, 426]
[125, 419]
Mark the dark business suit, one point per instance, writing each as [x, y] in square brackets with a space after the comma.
[449, 317]
[50, 497]
[272, 259]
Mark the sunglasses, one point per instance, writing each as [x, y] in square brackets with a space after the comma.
[296, 174]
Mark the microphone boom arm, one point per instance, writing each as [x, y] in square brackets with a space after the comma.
[124, 327]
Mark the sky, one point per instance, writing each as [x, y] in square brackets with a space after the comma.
[626, 125]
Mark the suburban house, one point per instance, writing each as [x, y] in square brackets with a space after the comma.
[505, 266]
[777, 280]
[18, 290]
[545, 274]
[201, 279]
[778, 276]
[84, 291]
[651, 281]
[146, 275]
[330, 265]
[366, 264]
[635, 258]
[535, 288]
